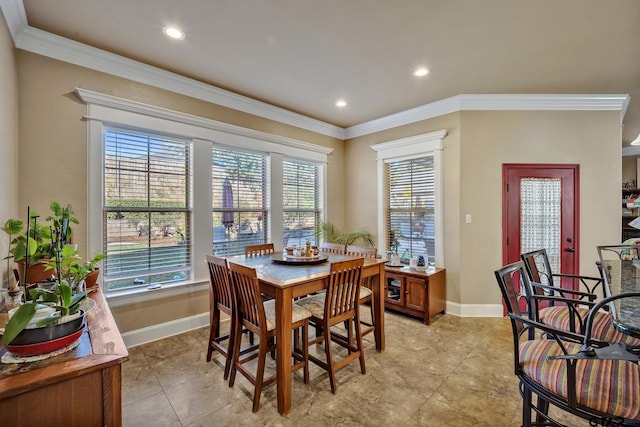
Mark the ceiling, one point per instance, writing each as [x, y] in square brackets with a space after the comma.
[303, 55]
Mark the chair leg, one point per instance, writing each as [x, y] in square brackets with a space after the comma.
[327, 351]
[237, 339]
[363, 369]
[305, 351]
[526, 406]
[214, 331]
[230, 348]
[262, 355]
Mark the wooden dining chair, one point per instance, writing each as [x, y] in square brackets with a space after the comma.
[258, 250]
[260, 317]
[366, 327]
[220, 300]
[595, 380]
[332, 248]
[338, 304]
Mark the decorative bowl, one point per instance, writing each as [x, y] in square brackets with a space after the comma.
[49, 332]
[46, 346]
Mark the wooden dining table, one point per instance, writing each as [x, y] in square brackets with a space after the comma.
[623, 276]
[285, 282]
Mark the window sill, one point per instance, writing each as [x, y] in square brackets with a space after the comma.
[126, 297]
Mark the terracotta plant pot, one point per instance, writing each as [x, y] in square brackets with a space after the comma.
[35, 273]
[91, 280]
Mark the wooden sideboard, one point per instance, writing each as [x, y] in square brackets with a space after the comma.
[82, 387]
[421, 294]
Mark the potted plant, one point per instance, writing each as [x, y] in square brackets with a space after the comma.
[331, 234]
[39, 241]
[55, 311]
[72, 270]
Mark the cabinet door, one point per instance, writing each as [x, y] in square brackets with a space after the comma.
[394, 289]
[415, 293]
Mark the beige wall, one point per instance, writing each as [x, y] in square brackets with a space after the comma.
[477, 145]
[53, 155]
[8, 140]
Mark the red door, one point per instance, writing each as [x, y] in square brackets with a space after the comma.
[540, 210]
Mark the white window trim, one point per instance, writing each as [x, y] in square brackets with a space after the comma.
[410, 148]
[105, 110]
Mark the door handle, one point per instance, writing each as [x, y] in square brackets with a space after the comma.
[571, 250]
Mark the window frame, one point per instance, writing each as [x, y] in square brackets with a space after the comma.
[109, 111]
[414, 147]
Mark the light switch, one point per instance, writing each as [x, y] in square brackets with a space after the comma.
[467, 218]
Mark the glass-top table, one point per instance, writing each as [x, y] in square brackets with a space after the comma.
[623, 276]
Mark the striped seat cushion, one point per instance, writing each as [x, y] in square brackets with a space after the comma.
[299, 313]
[558, 317]
[603, 328]
[364, 292]
[608, 386]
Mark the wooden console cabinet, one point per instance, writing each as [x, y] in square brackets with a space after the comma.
[82, 387]
[421, 294]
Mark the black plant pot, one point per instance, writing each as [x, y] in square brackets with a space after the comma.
[49, 332]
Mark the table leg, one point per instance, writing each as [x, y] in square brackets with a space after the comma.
[283, 348]
[377, 287]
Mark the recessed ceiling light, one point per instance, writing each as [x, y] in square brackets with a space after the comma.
[341, 103]
[173, 33]
[422, 71]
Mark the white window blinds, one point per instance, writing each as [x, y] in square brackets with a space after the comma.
[147, 212]
[410, 210]
[239, 202]
[301, 201]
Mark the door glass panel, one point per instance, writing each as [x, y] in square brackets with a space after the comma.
[540, 216]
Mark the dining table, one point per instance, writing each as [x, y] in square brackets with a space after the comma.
[623, 277]
[285, 281]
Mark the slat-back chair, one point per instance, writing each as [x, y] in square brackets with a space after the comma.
[259, 250]
[332, 248]
[259, 317]
[366, 327]
[593, 380]
[338, 304]
[220, 300]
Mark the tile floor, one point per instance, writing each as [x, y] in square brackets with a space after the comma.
[455, 372]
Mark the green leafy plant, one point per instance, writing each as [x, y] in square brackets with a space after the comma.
[69, 266]
[39, 239]
[64, 302]
[331, 234]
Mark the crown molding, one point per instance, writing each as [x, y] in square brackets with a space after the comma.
[90, 97]
[504, 102]
[60, 48]
[15, 16]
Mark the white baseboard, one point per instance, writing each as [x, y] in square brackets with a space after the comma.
[474, 310]
[164, 330]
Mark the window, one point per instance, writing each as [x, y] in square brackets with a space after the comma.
[409, 186]
[301, 201]
[147, 213]
[155, 204]
[410, 213]
[238, 188]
